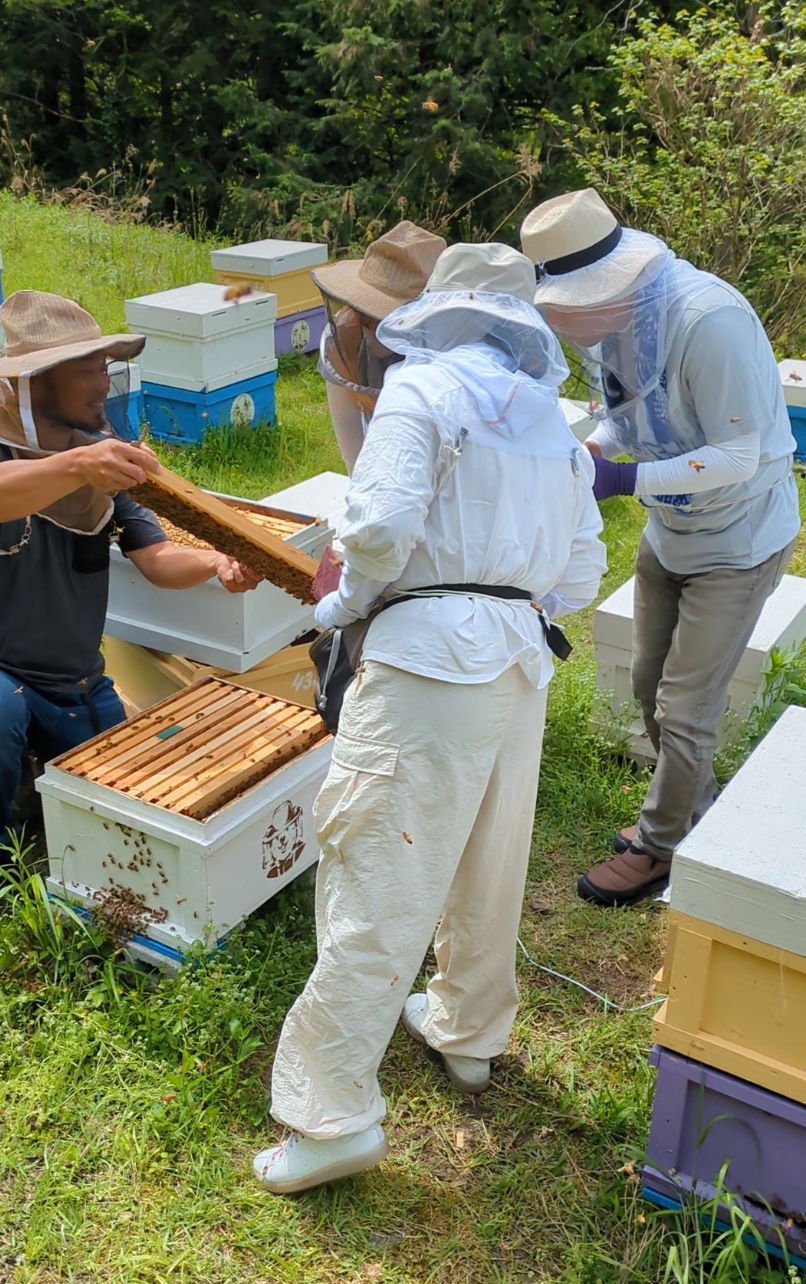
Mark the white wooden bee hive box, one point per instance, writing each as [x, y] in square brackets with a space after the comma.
[189, 816]
[282, 268]
[743, 867]
[199, 341]
[793, 381]
[782, 625]
[233, 631]
[578, 417]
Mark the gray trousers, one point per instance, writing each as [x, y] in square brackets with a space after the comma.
[689, 633]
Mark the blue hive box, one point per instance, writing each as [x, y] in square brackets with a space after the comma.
[182, 417]
[797, 418]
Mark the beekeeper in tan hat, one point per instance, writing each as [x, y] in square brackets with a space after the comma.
[686, 384]
[359, 293]
[470, 506]
[63, 478]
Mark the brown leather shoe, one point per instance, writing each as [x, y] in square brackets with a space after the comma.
[627, 878]
[623, 838]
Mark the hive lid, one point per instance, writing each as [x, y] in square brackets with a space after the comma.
[612, 619]
[782, 624]
[325, 494]
[744, 866]
[198, 311]
[793, 378]
[198, 750]
[269, 258]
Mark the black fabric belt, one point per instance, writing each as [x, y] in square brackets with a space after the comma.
[467, 590]
[554, 635]
[581, 258]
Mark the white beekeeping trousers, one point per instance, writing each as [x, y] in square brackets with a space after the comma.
[427, 810]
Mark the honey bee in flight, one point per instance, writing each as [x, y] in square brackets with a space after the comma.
[234, 293]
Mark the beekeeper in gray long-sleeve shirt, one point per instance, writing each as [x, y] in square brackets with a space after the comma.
[689, 389]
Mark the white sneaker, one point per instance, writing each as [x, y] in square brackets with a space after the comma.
[468, 1074]
[301, 1162]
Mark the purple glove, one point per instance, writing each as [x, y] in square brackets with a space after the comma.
[613, 479]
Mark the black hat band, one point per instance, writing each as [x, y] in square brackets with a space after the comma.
[580, 258]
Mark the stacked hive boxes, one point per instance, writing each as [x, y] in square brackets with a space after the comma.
[793, 378]
[782, 626]
[282, 268]
[730, 1105]
[177, 824]
[207, 362]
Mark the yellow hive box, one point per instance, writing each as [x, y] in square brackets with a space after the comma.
[295, 291]
[275, 266]
[144, 677]
[736, 1004]
[662, 979]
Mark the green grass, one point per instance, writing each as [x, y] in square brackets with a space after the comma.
[98, 263]
[130, 1107]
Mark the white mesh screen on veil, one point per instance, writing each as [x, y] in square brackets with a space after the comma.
[443, 320]
[624, 343]
[117, 403]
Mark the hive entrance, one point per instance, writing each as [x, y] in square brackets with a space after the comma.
[198, 750]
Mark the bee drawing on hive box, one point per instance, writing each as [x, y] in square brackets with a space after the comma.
[283, 842]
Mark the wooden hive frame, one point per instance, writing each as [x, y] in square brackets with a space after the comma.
[281, 524]
[198, 750]
[229, 531]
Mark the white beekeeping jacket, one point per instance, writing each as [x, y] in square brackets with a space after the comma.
[469, 474]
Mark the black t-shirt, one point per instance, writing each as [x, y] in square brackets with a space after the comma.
[54, 594]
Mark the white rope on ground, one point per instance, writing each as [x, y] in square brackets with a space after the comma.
[603, 998]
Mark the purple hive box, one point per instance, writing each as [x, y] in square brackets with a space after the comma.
[299, 332]
[703, 1119]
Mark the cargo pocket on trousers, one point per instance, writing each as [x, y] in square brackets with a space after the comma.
[373, 756]
[355, 787]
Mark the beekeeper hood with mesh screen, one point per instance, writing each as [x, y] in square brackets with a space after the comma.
[687, 383]
[617, 296]
[358, 293]
[493, 340]
[55, 387]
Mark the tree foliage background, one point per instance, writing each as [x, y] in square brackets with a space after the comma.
[335, 118]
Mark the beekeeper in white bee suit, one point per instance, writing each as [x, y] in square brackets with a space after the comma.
[689, 388]
[469, 480]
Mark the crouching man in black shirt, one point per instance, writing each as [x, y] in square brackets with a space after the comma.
[63, 478]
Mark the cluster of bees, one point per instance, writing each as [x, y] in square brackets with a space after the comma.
[124, 913]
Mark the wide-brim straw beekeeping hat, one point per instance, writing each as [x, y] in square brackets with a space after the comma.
[582, 255]
[393, 271]
[43, 330]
